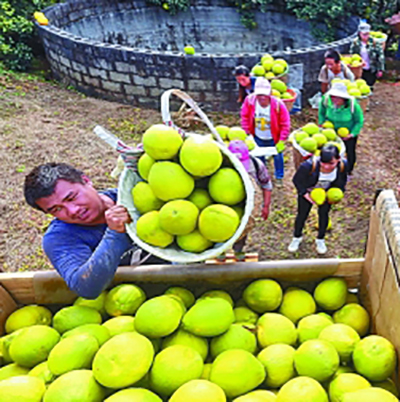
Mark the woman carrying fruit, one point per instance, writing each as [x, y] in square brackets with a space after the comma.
[245, 81]
[371, 53]
[344, 112]
[333, 68]
[323, 173]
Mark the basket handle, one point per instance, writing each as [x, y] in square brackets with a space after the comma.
[166, 115]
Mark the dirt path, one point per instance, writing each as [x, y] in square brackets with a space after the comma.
[42, 122]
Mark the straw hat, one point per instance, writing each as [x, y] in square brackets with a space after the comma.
[262, 87]
[339, 89]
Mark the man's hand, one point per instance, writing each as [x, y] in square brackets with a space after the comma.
[349, 137]
[265, 212]
[116, 217]
[280, 146]
[379, 74]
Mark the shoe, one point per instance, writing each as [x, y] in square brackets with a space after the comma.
[294, 245]
[279, 183]
[321, 247]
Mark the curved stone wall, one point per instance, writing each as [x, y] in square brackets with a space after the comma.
[131, 52]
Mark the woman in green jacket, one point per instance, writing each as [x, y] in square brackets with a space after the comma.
[343, 110]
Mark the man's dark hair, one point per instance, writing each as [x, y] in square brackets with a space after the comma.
[241, 70]
[42, 180]
[332, 54]
[328, 152]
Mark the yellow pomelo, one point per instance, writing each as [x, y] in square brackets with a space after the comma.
[266, 57]
[355, 92]
[287, 95]
[360, 82]
[374, 357]
[173, 367]
[217, 293]
[12, 370]
[33, 344]
[302, 389]
[73, 353]
[309, 144]
[365, 90]
[184, 294]
[100, 332]
[149, 230]
[6, 343]
[245, 315]
[144, 198]
[328, 124]
[296, 304]
[343, 337]
[329, 133]
[119, 325]
[161, 142]
[278, 68]
[144, 165]
[200, 156]
[74, 316]
[209, 317]
[278, 85]
[218, 223]
[237, 133]
[343, 132]
[269, 75]
[326, 315]
[320, 139]
[263, 295]
[27, 316]
[388, 385]
[352, 85]
[311, 326]
[311, 128]
[22, 389]
[187, 49]
[347, 382]
[77, 385]
[198, 391]
[134, 395]
[334, 195]
[317, 359]
[239, 210]
[267, 64]
[222, 131]
[193, 242]
[331, 293]
[343, 370]
[278, 361]
[275, 328]
[226, 187]
[42, 371]
[238, 336]
[169, 181]
[178, 217]
[112, 365]
[250, 143]
[237, 372]
[258, 70]
[355, 316]
[300, 136]
[259, 395]
[369, 395]
[276, 93]
[97, 303]
[200, 198]
[124, 299]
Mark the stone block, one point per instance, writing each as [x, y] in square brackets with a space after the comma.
[120, 77]
[167, 83]
[91, 81]
[111, 86]
[125, 67]
[79, 67]
[64, 61]
[135, 90]
[199, 85]
[95, 72]
[145, 81]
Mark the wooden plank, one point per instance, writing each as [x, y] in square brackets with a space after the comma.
[19, 286]
[7, 306]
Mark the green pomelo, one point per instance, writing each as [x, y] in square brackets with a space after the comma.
[365, 89]
[124, 299]
[352, 298]
[27, 316]
[263, 295]
[329, 133]
[355, 316]
[354, 92]
[169, 181]
[320, 139]
[218, 223]
[275, 328]
[245, 315]
[134, 395]
[222, 131]
[296, 304]
[163, 310]
[258, 70]
[389, 385]
[266, 57]
[73, 353]
[209, 317]
[237, 133]
[149, 230]
[369, 395]
[269, 75]
[331, 293]
[6, 343]
[100, 332]
[22, 389]
[119, 325]
[278, 84]
[318, 195]
[309, 144]
[75, 386]
[193, 242]
[178, 217]
[113, 364]
[328, 124]
[311, 326]
[287, 95]
[74, 316]
[12, 370]
[259, 395]
[173, 367]
[96, 304]
[33, 344]
[302, 389]
[326, 315]
[184, 338]
[317, 359]
[144, 198]
[184, 294]
[200, 156]
[238, 336]
[276, 93]
[343, 370]
[144, 165]
[198, 391]
[42, 371]
[267, 64]
[334, 195]
[187, 49]
[217, 293]
[278, 361]
[345, 383]
[237, 372]
[200, 198]
[278, 68]
[161, 142]
[311, 128]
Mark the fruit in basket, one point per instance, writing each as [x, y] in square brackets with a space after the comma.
[259, 395]
[258, 70]
[182, 337]
[320, 139]
[334, 195]
[296, 304]
[149, 230]
[279, 86]
[200, 156]
[237, 372]
[301, 389]
[311, 128]
[356, 57]
[311, 326]
[193, 242]
[355, 92]
[328, 124]
[42, 371]
[217, 293]
[222, 131]
[161, 142]
[275, 328]
[371, 394]
[134, 394]
[74, 316]
[299, 136]
[101, 333]
[226, 187]
[329, 133]
[287, 95]
[22, 388]
[388, 385]
[144, 198]
[169, 181]
[119, 325]
[144, 165]
[343, 132]
[309, 144]
[250, 143]
[365, 89]
[124, 299]
[374, 357]
[27, 316]
[198, 391]
[278, 68]
[12, 370]
[331, 293]
[276, 93]
[237, 133]
[263, 295]
[178, 217]
[360, 82]
[266, 56]
[354, 315]
[200, 198]
[267, 64]
[344, 383]
[269, 75]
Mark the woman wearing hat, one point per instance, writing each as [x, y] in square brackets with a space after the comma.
[267, 119]
[371, 53]
[343, 111]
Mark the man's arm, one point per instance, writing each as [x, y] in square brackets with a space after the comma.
[245, 116]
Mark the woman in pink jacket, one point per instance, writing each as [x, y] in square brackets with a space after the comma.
[267, 119]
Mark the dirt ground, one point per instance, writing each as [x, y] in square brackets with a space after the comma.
[42, 122]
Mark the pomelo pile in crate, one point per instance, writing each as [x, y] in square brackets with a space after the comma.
[270, 68]
[269, 344]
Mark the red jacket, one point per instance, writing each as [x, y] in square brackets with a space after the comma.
[280, 118]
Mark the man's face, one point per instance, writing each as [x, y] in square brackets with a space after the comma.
[364, 36]
[330, 63]
[328, 167]
[74, 203]
[243, 80]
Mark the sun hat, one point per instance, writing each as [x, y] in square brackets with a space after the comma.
[364, 27]
[241, 151]
[262, 87]
[339, 89]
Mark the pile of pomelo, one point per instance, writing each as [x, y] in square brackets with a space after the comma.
[270, 68]
[352, 60]
[190, 195]
[229, 134]
[271, 344]
[359, 88]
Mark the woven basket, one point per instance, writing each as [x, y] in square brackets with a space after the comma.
[290, 102]
[129, 178]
